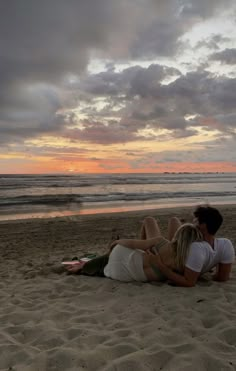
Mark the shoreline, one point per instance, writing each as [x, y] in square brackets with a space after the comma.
[125, 223]
[109, 210]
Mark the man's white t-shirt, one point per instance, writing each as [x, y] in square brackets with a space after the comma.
[202, 257]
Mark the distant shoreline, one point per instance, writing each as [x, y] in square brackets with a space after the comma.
[115, 212]
[76, 174]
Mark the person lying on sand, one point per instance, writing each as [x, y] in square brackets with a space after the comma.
[182, 259]
[131, 259]
[203, 255]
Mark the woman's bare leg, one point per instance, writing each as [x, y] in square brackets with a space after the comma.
[150, 228]
[173, 224]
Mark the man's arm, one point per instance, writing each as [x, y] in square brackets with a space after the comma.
[188, 279]
[223, 272]
[225, 266]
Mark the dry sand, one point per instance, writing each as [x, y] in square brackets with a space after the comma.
[52, 321]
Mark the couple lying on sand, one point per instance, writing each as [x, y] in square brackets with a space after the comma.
[189, 251]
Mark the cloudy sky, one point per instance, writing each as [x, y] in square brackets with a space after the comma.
[117, 85]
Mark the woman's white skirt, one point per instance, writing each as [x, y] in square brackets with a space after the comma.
[125, 265]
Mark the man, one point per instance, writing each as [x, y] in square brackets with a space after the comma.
[205, 255]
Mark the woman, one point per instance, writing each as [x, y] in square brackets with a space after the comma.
[131, 260]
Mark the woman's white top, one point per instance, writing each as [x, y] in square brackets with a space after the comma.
[125, 265]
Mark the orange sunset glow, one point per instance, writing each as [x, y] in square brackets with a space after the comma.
[84, 98]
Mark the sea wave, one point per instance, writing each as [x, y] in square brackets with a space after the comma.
[152, 196]
[60, 199]
[54, 200]
[11, 182]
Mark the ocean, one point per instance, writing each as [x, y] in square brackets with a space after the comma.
[32, 196]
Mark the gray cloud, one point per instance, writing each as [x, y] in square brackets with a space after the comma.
[100, 133]
[213, 42]
[43, 42]
[203, 93]
[46, 40]
[227, 123]
[160, 35]
[132, 81]
[203, 8]
[28, 112]
[159, 38]
[207, 100]
[214, 150]
[227, 56]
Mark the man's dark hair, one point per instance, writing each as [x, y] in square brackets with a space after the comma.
[210, 216]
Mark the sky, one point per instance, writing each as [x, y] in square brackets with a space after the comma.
[107, 86]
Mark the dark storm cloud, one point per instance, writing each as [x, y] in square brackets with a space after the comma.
[50, 124]
[227, 56]
[197, 99]
[102, 84]
[161, 35]
[100, 133]
[28, 112]
[159, 38]
[133, 81]
[146, 81]
[47, 39]
[43, 42]
[167, 22]
[203, 93]
[196, 93]
[228, 122]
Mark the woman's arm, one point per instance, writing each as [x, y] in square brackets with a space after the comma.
[188, 279]
[137, 244]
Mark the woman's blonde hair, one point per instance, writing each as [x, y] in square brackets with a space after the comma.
[184, 236]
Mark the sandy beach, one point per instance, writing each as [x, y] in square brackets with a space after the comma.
[51, 321]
